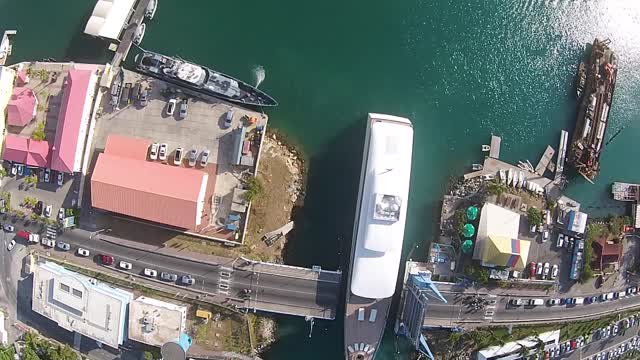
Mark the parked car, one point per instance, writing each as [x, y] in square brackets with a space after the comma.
[532, 269]
[560, 241]
[124, 265]
[515, 302]
[47, 175]
[162, 152]
[545, 236]
[106, 259]
[228, 119]
[545, 272]
[192, 156]
[184, 105]
[204, 157]
[553, 302]
[63, 246]
[153, 151]
[8, 228]
[168, 276]
[177, 157]
[82, 252]
[14, 169]
[554, 271]
[187, 280]
[12, 243]
[47, 210]
[144, 97]
[615, 329]
[38, 208]
[150, 272]
[535, 302]
[604, 297]
[60, 179]
[539, 269]
[61, 214]
[171, 106]
[48, 242]
[20, 169]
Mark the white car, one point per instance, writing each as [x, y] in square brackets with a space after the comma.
[14, 169]
[204, 157]
[184, 105]
[171, 106]
[162, 152]
[12, 243]
[545, 236]
[153, 152]
[47, 210]
[150, 272]
[546, 270]
[47, 175]
[61, 214]
[539, 269]
[60, 179]
[177, 157]
[554, 271]
[192, 156]
[83, 252]
[124, 265]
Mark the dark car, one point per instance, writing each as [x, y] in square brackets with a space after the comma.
[144, 97]
[563, 301]
[168, 276]
[187, 280]
[106, 259]
[38, 208]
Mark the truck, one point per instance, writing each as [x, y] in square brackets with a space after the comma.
[34, 238]
[535, 302]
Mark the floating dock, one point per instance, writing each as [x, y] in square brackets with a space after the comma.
[625, 191]
[495, 147]
[543, 164]
[129, 33]
[562, 153]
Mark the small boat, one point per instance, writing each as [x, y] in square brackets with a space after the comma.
[486, 148]
[137, 37]
[151, 9]
[503, 176]
[510, 177]
[476, 167]
[116, 89]
[530, 185]
[521, 179]
[581, 80]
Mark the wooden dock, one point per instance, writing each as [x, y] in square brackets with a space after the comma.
[495, 147]
[129, 32]
[543, 164]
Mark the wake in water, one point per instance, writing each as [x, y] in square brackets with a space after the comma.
[259, 74]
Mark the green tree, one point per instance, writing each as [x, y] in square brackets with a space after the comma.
[7, 352]
[147, 355]
[34, 217]
[534, 216]
[20, 214]
[495, 187]
[3, 172]
[38, 134]
[254, 189]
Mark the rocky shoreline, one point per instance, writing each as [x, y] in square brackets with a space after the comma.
[278, 145]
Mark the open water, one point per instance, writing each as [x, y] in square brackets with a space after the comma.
[460, 70]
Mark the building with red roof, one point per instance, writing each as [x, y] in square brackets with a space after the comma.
[124, 182]
[607, 255]
[26, 151]
[73, 121]
[22, 106]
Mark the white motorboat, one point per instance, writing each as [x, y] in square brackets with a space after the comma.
[503, 176]
[151, 9]
[486, 148]
[510, 177]
[476, 167]
[137, 37]
[521, 179]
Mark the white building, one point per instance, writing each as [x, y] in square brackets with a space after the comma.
[156, 322]
[512, 350]
[81, 304]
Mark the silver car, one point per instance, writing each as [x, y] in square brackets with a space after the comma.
[168, 276]
[192, 156]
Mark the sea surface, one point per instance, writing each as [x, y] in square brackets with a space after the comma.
[460, 70]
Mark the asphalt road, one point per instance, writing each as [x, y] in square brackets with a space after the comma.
[457, 312]
[223, 280]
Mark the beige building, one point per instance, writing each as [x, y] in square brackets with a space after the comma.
[156, 322]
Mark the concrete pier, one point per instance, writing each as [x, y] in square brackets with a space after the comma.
[5, 46]
[495, 147]
[562, 153]
[543, 164]
[129, 32]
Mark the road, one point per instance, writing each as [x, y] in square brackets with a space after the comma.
[225, 280]
[455, 312]
[599, 346]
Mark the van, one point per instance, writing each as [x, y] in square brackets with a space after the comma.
[578, 301]
[621, 294]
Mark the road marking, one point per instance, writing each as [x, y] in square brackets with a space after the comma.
[223, 286]
[225, 274]
[227, 281]
[223, 292]
[226, 268]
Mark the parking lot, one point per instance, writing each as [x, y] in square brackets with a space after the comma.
[50, 193]
[203, 127]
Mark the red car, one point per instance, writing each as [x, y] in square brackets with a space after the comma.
[23, 234]
[532, 270]
[106, 259]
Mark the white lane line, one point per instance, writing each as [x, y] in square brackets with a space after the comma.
[224, 292]
[225, 280]
[226, 268]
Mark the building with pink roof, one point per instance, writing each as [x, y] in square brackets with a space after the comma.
[124, 182]
[73, 121]
[26, 151]
[22, 106]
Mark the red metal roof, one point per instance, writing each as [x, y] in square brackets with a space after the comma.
[70, 124]
[148, 190]
[128, 147]
[22, 106]
[26, 151]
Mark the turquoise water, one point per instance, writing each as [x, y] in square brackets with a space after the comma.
[459, 70]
